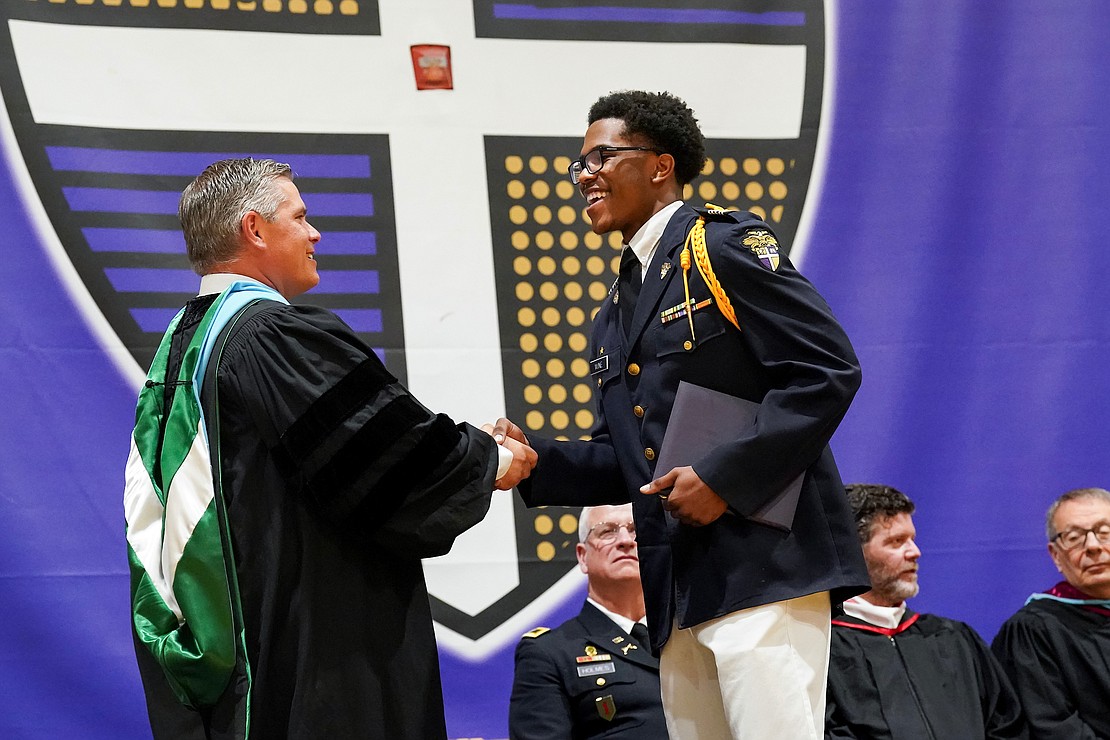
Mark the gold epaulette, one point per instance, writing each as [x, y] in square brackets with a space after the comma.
[536, 632]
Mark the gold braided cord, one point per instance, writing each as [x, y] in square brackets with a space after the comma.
[696, 238]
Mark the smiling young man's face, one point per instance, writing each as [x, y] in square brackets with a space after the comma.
[620, 196]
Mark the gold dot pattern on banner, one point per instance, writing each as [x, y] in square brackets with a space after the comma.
[545, 551]
[544, 525]
[756, 184]
[568, 524]
[323, 8]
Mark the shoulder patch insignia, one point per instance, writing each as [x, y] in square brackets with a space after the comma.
[536, 632]
[764, 246]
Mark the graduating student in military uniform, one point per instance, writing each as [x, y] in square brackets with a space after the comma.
[281, 491]
[898, 674]
[594, 676]
[1057, 647]
[751, 602]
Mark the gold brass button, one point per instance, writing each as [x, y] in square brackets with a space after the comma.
[601, 682]
[599, 382]
[639, 411]
[687, 345]
[649, 453]
[633, 369]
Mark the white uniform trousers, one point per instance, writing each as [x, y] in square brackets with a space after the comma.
[756, 673]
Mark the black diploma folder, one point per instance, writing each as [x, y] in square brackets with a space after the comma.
[702, 419]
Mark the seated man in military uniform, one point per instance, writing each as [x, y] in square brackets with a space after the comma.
[593, 676]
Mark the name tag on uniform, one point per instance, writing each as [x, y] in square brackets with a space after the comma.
[595, 669]
[599, 365]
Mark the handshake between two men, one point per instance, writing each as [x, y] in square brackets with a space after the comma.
[684, 494]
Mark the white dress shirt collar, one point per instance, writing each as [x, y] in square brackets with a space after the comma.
[218, 282]
[880, 616]
[622, 621]
[645, 240]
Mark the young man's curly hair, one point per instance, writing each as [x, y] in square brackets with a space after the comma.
[661, 118]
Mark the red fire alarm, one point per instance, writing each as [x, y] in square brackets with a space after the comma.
[431, 64]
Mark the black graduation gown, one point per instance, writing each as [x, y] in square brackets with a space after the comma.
[337, 483]
[935, 679]
[1058, 656]
[560, 695]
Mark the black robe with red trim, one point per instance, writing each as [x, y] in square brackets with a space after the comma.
[337, 483]
[930, 677]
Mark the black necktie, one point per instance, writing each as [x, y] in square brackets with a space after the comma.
[640, 635]
[631, 277]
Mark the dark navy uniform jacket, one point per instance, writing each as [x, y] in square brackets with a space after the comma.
[560, 691]
[791, 356]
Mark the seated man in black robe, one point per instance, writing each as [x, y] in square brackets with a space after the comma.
[594, 675]
[1056, 648]
[898, 674]
[281, 492]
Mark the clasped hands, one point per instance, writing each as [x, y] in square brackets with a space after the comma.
[684, 494]
[511, 437]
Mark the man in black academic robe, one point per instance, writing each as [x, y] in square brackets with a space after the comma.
[895, 674]
[336, 483]
[1056, 648]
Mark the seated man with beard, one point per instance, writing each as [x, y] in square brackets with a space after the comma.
[895, 673]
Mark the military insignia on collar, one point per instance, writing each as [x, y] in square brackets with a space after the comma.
[763, 245]
[664, 270]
